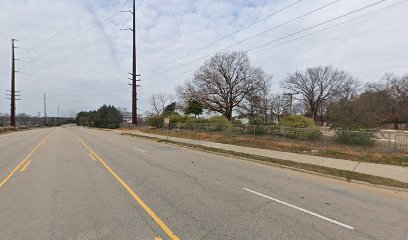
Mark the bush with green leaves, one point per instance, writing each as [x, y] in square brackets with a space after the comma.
[300, 127]
[218, 119]
[302, 133]
[105, 117]
[354, 138]
[155, 120]
[112, 125]
[218, 123]
[297, 121]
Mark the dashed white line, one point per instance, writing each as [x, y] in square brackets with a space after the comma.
[300, 209]
[140, 150]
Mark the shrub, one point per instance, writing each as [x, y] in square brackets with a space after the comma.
[155, 120]
[300, 127]
[112, 125]
[218, 123]
[302, 133]
[218, 119]
[354, 138]
[177, 118]
[297, 121]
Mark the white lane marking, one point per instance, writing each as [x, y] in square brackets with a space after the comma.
[300, 209]
[140, 150]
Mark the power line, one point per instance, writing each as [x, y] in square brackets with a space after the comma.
[89, 45]
[333, 26]
[230, 34]
[266, 31]
[80, 50]
[50, 51]
[319, 24]
[68, 26]
[284, 37]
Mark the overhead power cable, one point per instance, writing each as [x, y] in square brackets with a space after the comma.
[81, 49]
[68, 26]
[80, 34]
[230, 34]
[266, 31]
[333, 26]
[87, 46]
[281, 38]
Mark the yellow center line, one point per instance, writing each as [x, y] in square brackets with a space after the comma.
[22, 162]
[134, 195]
[25, 166]
[90, 154]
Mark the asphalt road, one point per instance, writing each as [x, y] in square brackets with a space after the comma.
[78, 183]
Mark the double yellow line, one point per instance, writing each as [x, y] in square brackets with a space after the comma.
[149, 211]
[23, 162]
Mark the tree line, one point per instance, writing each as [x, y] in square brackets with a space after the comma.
[229, 85]
[104, 117]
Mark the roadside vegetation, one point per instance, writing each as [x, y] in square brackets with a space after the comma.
[105, 117]
[4, 130]
[354, 153]
[322, 110]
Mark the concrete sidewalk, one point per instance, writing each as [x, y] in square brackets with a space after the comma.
[380, 170]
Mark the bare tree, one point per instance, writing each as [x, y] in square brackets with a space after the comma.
[159, 101]
[223, 82]
[317, 85]
[24, 119]
[277, 108]
[395, 90]
[255, 105]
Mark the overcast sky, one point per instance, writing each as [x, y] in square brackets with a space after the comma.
[73, 51]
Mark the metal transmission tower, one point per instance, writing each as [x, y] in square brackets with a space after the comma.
[13, 85]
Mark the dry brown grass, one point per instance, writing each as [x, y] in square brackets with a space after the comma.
[310, 148]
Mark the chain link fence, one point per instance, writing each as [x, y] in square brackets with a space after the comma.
[375, 140]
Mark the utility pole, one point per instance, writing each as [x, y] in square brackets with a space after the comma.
[45, 110]
[13, 85]
[134, 69]
[290, 101]
[58, 115]
[134, 92]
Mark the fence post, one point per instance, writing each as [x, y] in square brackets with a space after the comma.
[389, 139]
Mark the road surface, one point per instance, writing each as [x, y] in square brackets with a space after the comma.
[79, 183]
